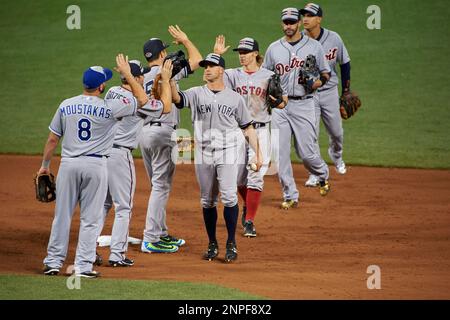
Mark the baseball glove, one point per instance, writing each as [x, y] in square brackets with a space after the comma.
[45, 187]
[349, 103]
[178, 61]
[274, 89]
[308, 74]
[185, 144]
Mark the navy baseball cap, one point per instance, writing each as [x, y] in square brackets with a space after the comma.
[136, 68]
[290, 14]
[153, 47]
[247, 44]
[313, 9]
[214, 59]
[95, 76]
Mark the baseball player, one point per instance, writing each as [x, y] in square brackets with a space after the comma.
[217, 114]
[121, 170]
[285, 56]
[327, 98]
[157, 141]
[85, 121]
[250, 81]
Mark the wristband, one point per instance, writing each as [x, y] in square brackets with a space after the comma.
[45, 164]
[323, 79]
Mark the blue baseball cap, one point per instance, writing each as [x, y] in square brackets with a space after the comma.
[153, 47]
[94, 76]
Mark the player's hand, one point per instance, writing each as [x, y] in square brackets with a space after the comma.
[219, 46]
[317, 84]
[123, 66]
[166, 70]
[282, 104]
[43, 170]
[256, 163]
[178, 35]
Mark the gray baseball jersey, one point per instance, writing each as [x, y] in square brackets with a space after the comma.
[130, 127]
[335, 53]
[222, 112]
[298, 118]
[252, 86]
[216, 117]
[285, 60]
[86, 123]
[172, 118]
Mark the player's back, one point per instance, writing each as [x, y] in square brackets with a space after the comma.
[86, 123]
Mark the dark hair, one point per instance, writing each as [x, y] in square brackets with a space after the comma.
[92, 90]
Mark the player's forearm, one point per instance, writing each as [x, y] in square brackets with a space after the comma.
[194, 55]
[166, 96]
[175, 95]
[252, 138]
[137, 89]
[49, 149]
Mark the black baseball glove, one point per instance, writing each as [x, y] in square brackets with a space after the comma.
[274, 89]
[45, 187]
[178, 61]
[308, 74]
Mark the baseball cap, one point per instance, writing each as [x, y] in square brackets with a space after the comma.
[214, 59]
[136, 69]
[247, 44]
[94, 76]
[313, 9]
[290, 14]
[153, 47]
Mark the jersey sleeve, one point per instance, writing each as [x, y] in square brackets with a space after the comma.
[243, 117]
[268, 62]
[187, 97]
[153, 109]
[228, 79]
[343, 56]
[122, 107]
[56, 126]
[322, 63]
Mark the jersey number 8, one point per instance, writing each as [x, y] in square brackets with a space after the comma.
[84, 129]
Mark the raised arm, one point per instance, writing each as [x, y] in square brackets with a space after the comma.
[219, 46]
[123, 68]
[181, 38]
[166, 92]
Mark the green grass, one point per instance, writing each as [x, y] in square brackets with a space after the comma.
[51, 288]
[399, 71]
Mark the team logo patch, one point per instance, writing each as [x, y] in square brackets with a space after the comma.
[126, 101]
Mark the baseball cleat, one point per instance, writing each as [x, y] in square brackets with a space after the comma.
[122, 263]
[88, 274]
[212, 252]
[169, 240]
[324, 187]
[312, 182]
[341, 168]
[98, 260]
[287, 204]
[249, 229]
[49, 271]
[157, 247]
[231, 254]
[244, 214]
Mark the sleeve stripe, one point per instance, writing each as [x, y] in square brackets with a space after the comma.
[55, 132]
[246, 125]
